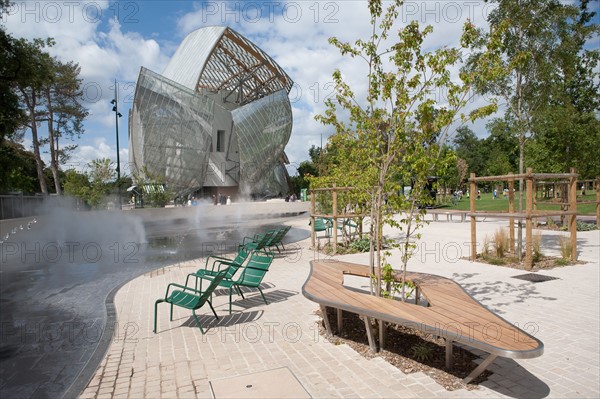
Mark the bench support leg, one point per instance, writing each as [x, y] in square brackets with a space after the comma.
[372, 343]
[448, 354]
[339, 322]
[475, 373]
[417, 295]
[326, 320]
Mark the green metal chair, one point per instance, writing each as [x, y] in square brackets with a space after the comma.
[190, 298]
[218, 262]
[276, 238]
[323, 225]
[260, 243]
[251, 276]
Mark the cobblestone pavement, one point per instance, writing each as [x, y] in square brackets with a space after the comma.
[180, 362]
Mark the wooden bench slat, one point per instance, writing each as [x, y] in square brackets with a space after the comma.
[451, 307]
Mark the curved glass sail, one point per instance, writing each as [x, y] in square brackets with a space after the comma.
[171, 129]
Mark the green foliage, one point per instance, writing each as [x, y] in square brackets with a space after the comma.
[361, 245]
[17, 168]
[422, 352]
[581, 226]
[540, 66]
[156, 193]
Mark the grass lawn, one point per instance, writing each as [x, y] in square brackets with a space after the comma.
[487, 203]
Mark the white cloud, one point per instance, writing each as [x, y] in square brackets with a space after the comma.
[294, 33]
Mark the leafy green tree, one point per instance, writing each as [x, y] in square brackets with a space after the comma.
[471, 149]
[531, 38]
[17, 168]
[65, 113]
[77, 184]
[13, 66]
[155, 190]
[101, 173]
[395, 134]
[29, 87]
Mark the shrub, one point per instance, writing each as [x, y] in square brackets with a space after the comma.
[565, 248]
[501, 242]
[360, 245]
[421, 352]
[485, 251]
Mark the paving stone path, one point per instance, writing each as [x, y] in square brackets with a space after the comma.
[180, 362]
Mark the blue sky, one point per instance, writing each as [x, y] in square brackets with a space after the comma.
[113, 39]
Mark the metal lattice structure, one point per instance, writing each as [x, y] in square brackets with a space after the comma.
[218, 116]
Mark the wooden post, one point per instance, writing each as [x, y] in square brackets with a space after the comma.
[573, 216]
[528, 222]
[598, 202]
[511, 211]
[312, 218]
[473, 189]
[335, 221]
[535, 208]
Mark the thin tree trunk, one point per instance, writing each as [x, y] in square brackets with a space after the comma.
[53, 151]
[39, 165]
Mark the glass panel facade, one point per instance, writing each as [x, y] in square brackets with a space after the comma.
[219, 116]
[170, 131]
[263, 128]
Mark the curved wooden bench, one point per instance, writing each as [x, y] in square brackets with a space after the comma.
[451, 312]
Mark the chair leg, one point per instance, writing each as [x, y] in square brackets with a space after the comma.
[213, 310]
[171, 316]
[155, 313]
[230, 289]
[197, 321]
[239, 291]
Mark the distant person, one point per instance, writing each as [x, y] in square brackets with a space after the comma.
[478, 194]
[228, 200]
[214, 198]
[495, 194]
[583, 189]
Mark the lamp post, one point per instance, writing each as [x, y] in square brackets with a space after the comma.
[115, 103]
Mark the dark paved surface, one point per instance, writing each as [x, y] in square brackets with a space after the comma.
[57, 279]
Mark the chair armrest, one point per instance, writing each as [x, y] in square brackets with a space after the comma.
[183, 287]
[250, 239]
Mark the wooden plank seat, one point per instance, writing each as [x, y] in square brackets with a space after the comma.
[451, 312]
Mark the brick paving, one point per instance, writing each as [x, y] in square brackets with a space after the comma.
[179, 361]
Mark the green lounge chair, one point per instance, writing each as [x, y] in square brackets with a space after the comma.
[259, 244]
[218, 262]
[276, 238]
[251, 276]
[190, 298]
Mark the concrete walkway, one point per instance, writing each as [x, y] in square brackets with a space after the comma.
[180, 362]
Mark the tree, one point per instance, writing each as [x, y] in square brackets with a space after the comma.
[36, 74]
[529, 40]
[153, 188]
[395, 135]
[65, 113]
[100, 174]
[12, 62]
[17, 168]
[471, 149]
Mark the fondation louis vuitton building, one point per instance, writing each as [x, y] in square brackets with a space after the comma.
[216, 120]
